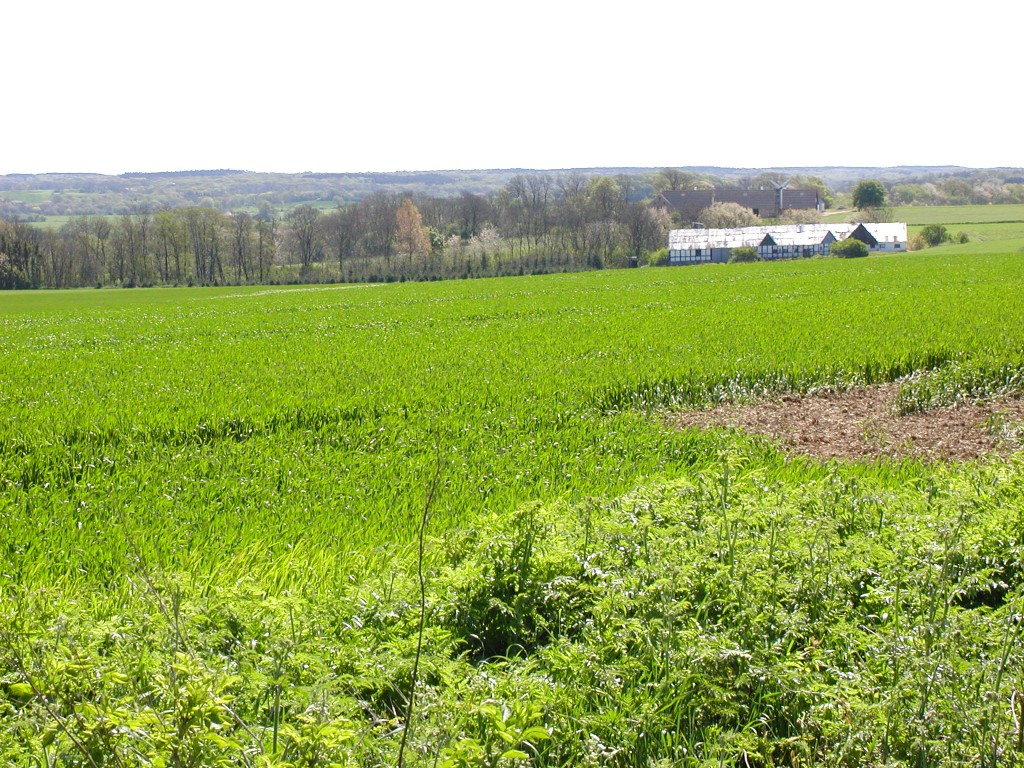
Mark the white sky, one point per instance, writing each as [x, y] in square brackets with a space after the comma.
[368, 85]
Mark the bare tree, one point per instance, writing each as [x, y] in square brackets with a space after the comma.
[473, 214]
[241, 242]
[379, 238]
[169, 231]
[343, 229]
[304, 234]
[573, 212]
[265, 246]
[203, 226]
[645, 229]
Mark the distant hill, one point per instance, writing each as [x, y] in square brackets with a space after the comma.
[31, 196]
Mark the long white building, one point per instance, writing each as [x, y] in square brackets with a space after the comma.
[781, 241]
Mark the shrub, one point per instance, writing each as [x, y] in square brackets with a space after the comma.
[743, 255]
[658, 258]
[849, 248]
[508, 596]
[934, 234]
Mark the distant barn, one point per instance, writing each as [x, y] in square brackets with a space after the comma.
[782, 241]
[765, 203]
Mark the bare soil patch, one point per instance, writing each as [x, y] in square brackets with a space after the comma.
[862, 424]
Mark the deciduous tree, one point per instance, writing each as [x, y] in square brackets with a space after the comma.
[343, 229]
[673, 179]
[241, 246]
[868, 193]
[645, 229]
[605, 200]
[411, 236]
[727, 216]
[304, 234]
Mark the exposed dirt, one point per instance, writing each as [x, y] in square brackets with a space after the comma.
[862, 424]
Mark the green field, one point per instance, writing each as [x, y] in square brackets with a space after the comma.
[990, 228]
[210, 501]
[55, 222]
[30, 196]
[953, 215]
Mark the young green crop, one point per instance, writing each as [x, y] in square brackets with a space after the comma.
[208, 500]
[198, 424]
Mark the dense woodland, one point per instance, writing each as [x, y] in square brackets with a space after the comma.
[228, 227]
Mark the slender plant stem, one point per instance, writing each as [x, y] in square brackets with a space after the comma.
[421, 577]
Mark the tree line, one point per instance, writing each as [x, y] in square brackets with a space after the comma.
[536, 223]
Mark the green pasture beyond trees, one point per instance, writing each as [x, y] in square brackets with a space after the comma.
[210, 500]
[952, 215]
[988, 227]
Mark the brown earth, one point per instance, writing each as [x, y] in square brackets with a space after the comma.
[862, 424]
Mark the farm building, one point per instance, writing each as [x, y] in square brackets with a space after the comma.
[765, 203]
[783, 241]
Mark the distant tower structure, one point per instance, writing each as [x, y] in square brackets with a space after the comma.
[778, 194]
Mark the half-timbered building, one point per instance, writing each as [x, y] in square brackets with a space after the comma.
[782, 241]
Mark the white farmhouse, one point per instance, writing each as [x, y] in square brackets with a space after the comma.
[781, 241]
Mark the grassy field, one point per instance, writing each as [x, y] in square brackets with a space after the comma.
[56, 222]
[211, 499]
[27, 196]
[989, 227]
[986, 238]
[953, 215]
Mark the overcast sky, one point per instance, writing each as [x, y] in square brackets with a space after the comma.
[112, 87]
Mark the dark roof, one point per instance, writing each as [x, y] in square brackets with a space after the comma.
[679, 199]
[861, 233]
[764, 201]
[800, 198]
[755, 199]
